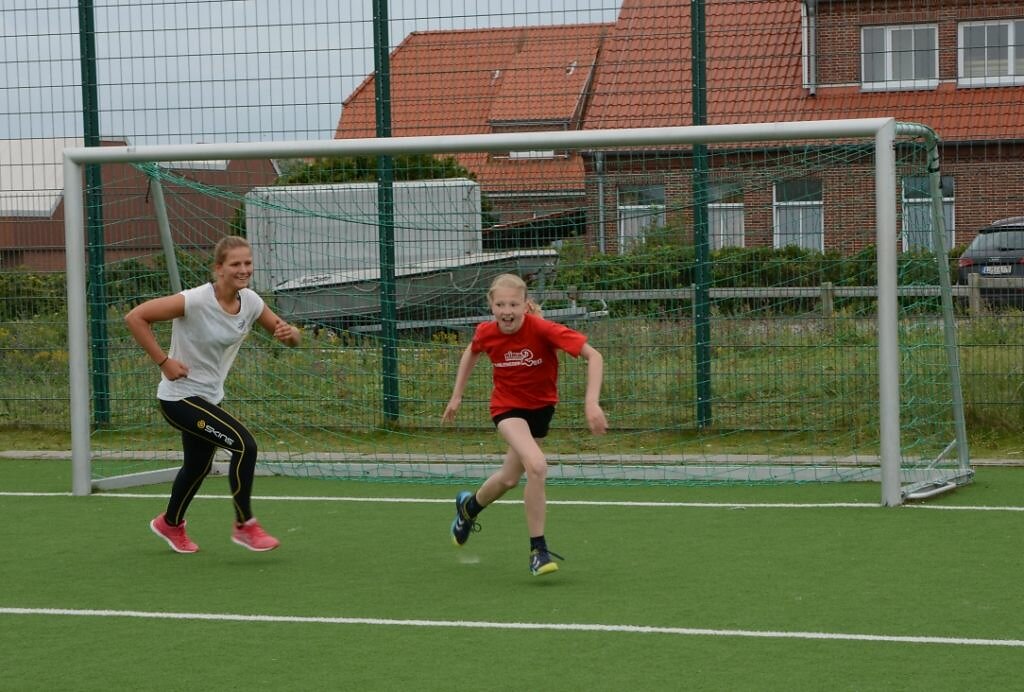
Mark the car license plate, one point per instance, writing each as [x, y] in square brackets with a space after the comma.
[997, 269]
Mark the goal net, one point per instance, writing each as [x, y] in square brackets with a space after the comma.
[772, 302]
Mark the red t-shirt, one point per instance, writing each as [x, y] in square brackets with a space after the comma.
[526, 363]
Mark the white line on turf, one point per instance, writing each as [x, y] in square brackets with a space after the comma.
[581, 503]
[550, 626]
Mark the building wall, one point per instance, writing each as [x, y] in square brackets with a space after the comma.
[129, 221]
[840, 23]
[989, 182]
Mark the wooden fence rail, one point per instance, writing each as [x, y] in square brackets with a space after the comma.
[826, 293]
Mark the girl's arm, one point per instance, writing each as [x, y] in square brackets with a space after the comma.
[466, 364]
[596, 420]
[139, 321]
[281, 330]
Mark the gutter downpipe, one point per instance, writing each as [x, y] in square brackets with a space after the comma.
[811, 45]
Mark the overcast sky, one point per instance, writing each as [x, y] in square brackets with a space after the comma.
[220, 70]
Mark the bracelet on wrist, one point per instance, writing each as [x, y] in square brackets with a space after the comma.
[161, 363]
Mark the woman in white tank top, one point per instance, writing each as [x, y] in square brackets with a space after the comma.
[209, 323]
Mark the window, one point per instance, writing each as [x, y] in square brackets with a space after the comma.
[725, 216]
[640, 208]
[917, 213]
[900, 57]
[545, 154]
[991, 53]
[799, 214]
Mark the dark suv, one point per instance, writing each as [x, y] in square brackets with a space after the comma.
[997, 253]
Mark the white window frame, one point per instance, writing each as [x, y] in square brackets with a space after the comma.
[726, 225]
[889, 82]
[1014, 68]
[811, 231]
[922, 207]
[635, 218]
[726, 222]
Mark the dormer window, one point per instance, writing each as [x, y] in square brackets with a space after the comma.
[900, 57]
[535, 154]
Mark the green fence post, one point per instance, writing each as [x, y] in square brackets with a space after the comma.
[386, 214]
[94, 220]
[702, 276]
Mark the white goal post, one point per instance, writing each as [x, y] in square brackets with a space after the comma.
[882, 131]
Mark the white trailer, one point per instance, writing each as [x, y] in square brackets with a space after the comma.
[302, 231]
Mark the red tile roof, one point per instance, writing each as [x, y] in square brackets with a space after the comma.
[456, 82]
[484, 80]
[547, 77]
[755, 74]
[477, 81]
[958, 115]
[642, 79]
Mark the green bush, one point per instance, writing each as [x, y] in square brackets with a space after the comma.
[662, 265]
[30, 294]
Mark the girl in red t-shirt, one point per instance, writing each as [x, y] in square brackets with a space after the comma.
[523, 348]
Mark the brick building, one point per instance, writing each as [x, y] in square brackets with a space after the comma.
[956, 66]
[32, 204]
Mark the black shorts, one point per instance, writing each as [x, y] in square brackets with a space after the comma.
[539, 419]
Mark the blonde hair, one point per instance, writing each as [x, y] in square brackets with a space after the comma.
[224, 246]
[506, 281]
[514, 282]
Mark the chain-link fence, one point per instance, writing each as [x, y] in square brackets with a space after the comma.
[98, 73]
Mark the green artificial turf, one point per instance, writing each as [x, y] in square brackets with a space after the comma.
[383, 601]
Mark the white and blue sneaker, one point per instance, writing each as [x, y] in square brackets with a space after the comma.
[463, 524]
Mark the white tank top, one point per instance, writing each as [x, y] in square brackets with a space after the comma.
[207, 339]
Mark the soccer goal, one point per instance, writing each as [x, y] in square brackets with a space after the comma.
[772, 301]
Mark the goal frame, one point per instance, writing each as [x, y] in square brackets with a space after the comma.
[883, 132]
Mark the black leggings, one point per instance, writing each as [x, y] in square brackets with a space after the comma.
[205, 427]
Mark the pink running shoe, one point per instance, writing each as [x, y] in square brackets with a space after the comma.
[252, 536]
[174, 535]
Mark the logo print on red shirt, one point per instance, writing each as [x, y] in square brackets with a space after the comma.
[518, 359]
